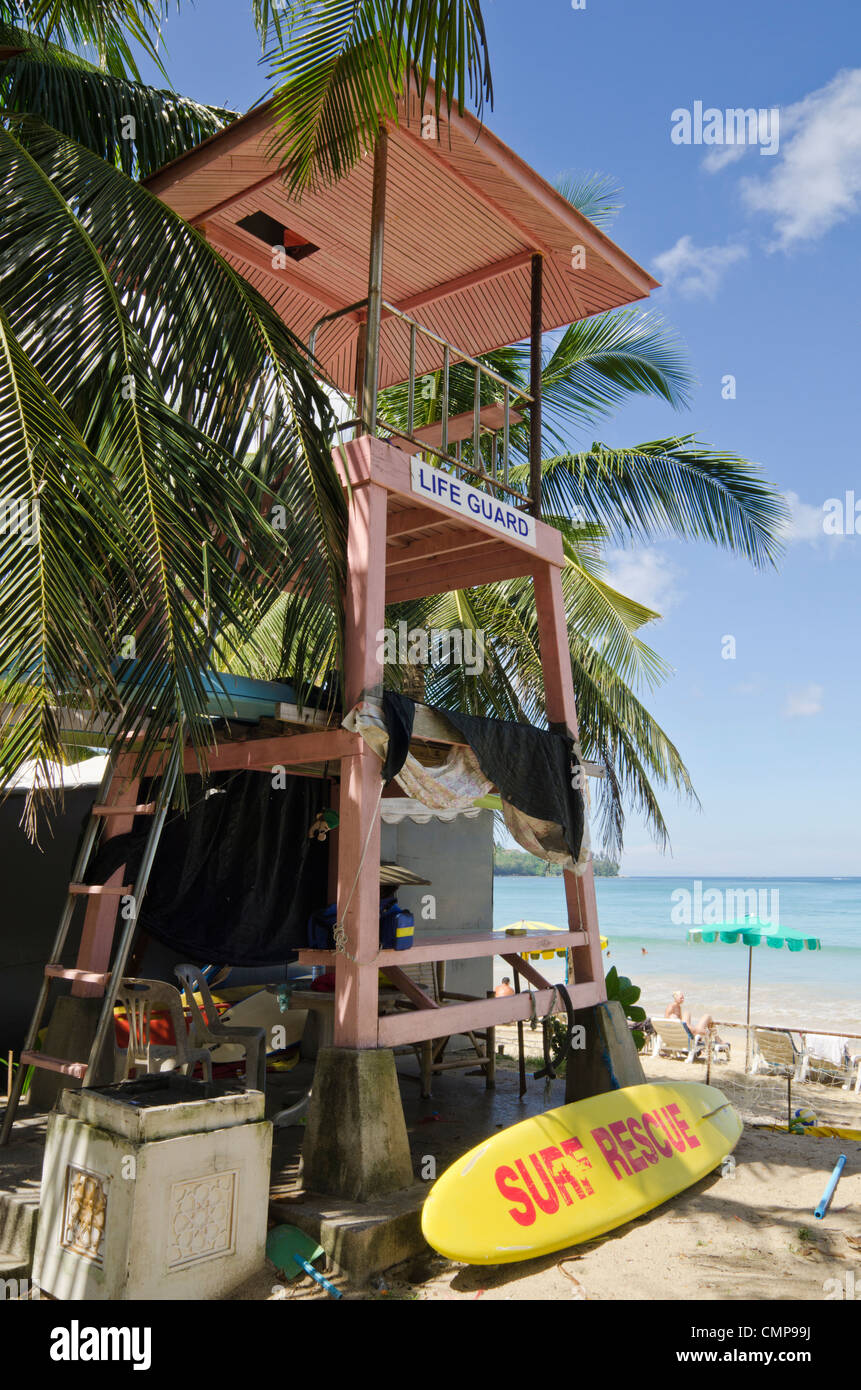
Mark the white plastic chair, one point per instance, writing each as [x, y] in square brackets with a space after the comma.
[207, 1030]
[141, 999]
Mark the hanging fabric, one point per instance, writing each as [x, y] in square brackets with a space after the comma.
[236, 879]
[532, 769]
[455, 785]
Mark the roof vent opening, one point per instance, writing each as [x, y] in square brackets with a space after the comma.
[273, 233]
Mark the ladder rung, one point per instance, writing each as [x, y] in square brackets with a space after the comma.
[41, 1059]
[89, 977]
[93, 889]
[147, 808]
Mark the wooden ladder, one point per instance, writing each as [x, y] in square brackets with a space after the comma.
[111, 980]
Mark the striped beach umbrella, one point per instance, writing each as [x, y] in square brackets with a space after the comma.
[753, 933]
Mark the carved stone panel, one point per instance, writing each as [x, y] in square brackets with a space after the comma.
[201, 1218]
[85, 1211]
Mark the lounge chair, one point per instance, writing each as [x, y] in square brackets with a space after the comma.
[829, 1059]
[673, 1038]
[775, 1052]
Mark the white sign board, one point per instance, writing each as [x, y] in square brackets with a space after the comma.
[468, 502]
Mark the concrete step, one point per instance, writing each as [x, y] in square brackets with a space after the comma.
[14, 1278]
[19, 1216]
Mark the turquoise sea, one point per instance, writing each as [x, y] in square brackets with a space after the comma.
[812, 989]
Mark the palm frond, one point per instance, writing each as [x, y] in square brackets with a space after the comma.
[136, 128]
[107, 27]
[60, 526]
[347, 61]
[596, 196]
[671, 487]
[172, 369]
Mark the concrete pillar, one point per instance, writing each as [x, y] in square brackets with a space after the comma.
[609, 1061]
[356, 1144]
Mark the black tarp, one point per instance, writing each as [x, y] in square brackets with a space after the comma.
[236, 879]
[531, 768]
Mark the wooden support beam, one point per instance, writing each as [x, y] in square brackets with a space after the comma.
[411, 520]
[243, 244]
[409, 987]
[370, 384]
[260, 754]
[535, 372]
[356, 971]
[586, 962]
[462, 282]
[500, 563]
[395, 1029]
[464, 544]
[458, 946]
[528, 971]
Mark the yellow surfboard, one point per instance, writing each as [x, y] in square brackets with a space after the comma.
[573, 1173]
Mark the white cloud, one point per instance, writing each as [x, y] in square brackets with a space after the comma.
[694, 270]
[644, 575]
[805, 522]
[815, 180]
[803, 701]
[722, 155]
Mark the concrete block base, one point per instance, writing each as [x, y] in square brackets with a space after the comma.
[362, 1242]
[165, 1201]
[609, 1061]
[356, 1144]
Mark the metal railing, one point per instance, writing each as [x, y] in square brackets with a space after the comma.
[496, 475]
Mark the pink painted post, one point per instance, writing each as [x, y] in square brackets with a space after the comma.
[356, 987]
[562, 711]
[100, 920]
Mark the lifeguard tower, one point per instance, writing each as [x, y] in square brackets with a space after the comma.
[427, 254]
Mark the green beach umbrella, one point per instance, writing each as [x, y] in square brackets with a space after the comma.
[752, 933]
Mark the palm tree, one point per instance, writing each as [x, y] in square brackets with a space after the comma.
[159, 414]
[348, 62]
[155, 413]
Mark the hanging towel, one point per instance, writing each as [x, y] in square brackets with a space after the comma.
[827, 1049]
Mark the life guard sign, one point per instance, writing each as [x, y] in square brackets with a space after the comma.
[468, 502]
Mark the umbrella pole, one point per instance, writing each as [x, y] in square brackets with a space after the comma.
[747, 1030]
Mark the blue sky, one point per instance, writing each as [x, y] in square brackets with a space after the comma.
[759, 259]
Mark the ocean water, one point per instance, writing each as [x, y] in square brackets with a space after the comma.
[810, 989]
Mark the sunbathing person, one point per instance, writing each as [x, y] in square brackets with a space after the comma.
[703, 1027]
